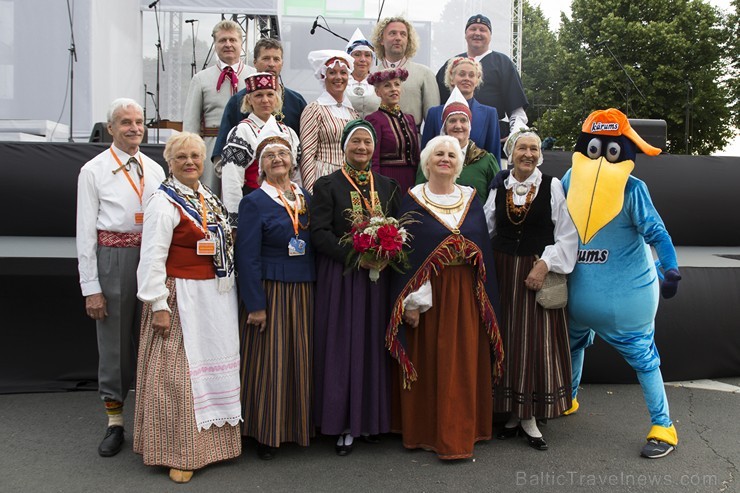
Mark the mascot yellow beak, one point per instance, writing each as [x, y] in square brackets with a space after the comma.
[600, 196]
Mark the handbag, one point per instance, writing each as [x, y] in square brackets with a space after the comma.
[554, 291]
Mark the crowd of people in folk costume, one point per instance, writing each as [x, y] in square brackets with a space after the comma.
[231, 273]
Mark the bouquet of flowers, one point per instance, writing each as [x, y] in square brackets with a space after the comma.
[378, 242]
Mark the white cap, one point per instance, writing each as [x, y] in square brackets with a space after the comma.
[358, 42]
[318, 60]
[270, 136]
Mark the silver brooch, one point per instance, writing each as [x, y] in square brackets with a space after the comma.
[359, 91]
[521, 189]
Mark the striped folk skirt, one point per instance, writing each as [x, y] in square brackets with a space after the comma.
[276, 366]
[165, 430]
[537, 373]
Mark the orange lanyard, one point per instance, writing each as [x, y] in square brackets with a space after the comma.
[292, 214]
[139, 193]
[370, 207]
[203, 213]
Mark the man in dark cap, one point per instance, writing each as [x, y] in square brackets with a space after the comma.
[502, 86]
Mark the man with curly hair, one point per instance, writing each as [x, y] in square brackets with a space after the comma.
[395, 42]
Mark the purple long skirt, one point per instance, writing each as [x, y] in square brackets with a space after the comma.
[351, 364]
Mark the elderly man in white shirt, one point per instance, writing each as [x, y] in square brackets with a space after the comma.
[112, 190]
[211, 89]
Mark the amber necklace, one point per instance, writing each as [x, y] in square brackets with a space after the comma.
[519, 211]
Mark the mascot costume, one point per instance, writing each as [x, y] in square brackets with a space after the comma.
[613, 290]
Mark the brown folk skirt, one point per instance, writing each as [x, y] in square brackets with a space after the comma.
[165, 430]
[537, 374]
[449, 407]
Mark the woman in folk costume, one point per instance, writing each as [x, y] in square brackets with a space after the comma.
[323, 120]
[532, 234]
[351, 366]
[443, 330]
[479, 165]
[359, 91]
[397, 149]
[240, 167]
[613, 290]
[187, 384]
[275, 263]
[466, 75]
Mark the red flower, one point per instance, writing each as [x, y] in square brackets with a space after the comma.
[360, 226]
[387, 231]
[362, 242]
[391, 245]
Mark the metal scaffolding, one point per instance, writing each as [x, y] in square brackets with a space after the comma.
[516, 34]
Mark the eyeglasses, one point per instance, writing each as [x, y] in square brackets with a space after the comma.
[270, 156]
[183, 158]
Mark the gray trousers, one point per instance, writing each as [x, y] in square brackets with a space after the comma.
[118, 333]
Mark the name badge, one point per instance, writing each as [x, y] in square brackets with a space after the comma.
[205, 247]
[296, 247]
[138, 218]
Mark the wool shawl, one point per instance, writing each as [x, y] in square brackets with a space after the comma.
[435, 246]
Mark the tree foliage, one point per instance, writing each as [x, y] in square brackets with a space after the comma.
[733, 60]
[540, 53]
[671, 49]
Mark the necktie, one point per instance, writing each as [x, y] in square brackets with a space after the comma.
[134, 163]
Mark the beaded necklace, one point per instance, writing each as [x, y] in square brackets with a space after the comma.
[518, 211]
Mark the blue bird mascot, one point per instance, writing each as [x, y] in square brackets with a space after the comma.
[613, 290]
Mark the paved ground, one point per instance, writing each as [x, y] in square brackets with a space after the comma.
[48, 444]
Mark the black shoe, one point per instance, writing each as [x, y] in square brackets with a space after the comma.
[538, 443]
[343, 450]
[370, 438]
[655, 449]
[505, 433]
[112, 442]
[265, 452]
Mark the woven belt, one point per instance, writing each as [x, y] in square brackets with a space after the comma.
[209, 131]
[118, 240]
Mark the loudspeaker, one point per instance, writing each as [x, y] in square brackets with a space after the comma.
[654, 132]
[100, 133]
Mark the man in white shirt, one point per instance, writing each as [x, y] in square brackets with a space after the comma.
[395, 41]
[211, 89]
[112, 190]
[502, 86]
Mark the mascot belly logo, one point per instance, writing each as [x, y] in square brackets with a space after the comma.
[593, 256]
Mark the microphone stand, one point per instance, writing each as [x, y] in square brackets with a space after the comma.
[330, 31]
[156, 110]
[72, 60]
[160, 59]
[192, 65]
[145, 93]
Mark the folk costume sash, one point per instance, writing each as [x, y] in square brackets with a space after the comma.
[436, 245]
[217, 228]
[228, 73]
